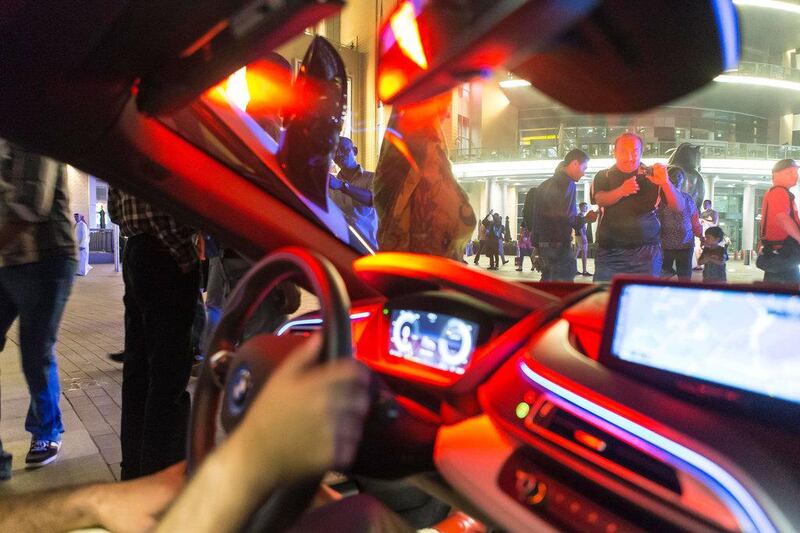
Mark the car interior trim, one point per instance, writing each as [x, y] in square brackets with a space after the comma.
[752, 510]
[316, 322]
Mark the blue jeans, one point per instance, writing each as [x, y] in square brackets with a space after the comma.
[37, 293]
[642, 261]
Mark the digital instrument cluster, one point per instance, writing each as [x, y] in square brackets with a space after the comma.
[432, 339]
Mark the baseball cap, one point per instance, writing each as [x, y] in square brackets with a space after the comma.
[783, 164]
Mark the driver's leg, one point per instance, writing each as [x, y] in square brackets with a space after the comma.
[356, 514]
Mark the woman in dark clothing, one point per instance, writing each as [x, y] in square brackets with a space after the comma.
[494, 233]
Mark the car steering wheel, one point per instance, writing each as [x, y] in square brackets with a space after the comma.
[234, 372]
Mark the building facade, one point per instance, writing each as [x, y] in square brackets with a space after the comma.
[744, 121]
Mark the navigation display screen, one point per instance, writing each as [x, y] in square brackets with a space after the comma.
[433, 339]
[747, 340]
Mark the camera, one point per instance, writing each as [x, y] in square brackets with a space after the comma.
[644, 171]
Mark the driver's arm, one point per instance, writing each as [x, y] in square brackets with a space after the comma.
[121, 507]
[306, 420]
[359, 194]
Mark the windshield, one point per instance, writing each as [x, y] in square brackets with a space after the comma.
[459, 176]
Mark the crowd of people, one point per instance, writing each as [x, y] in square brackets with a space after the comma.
[647, 218]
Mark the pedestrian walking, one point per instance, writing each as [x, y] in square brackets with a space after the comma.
[37, 270]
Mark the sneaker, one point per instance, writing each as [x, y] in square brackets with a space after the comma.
[585, 273]
[117, 357]
[42, 452]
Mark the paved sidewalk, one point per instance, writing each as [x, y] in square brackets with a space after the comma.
[90, 383]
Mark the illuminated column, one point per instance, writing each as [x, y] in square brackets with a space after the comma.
[115, 245]
[748, 220]
[587, 191]
[511, 210]
[709, 186]
[495, 195]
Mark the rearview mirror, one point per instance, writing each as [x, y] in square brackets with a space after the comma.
[631, 56]
[427, 47]
[592, 55]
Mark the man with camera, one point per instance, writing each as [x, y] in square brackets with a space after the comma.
[629, 193]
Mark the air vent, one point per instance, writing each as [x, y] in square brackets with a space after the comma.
[584, 435]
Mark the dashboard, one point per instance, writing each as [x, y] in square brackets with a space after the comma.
[638, 408]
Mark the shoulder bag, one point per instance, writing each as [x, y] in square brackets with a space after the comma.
[778, 256]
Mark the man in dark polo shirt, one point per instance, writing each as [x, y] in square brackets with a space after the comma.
[555, 215]
[628, 234]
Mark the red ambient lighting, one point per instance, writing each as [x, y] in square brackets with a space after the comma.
[590, 441]
[261, 87]
[403, 51]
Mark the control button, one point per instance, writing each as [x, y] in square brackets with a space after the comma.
[592, 517]
[574, 507]
[590, 441]
[529, 489]
[612, 528]
[538, 496]
[522, 410]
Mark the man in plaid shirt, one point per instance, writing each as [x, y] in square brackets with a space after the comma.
[160, 270]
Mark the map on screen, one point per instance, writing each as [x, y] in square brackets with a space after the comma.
[747, 340]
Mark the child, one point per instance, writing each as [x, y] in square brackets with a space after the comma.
[714, 255]
[524, 245]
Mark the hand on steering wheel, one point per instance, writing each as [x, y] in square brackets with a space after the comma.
[308, 418]
[310, 412]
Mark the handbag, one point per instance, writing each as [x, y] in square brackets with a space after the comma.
[778, 256]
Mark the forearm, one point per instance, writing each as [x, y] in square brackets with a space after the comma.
[608, 198]
[362, 196]
[56, 510]
[671, 195]
[788, 226]
[226, 490]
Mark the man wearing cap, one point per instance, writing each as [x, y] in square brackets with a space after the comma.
[779, 218]
[555, 216]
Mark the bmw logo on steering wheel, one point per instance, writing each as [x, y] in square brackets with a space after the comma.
[239, 390]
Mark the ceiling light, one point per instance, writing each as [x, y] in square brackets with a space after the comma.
[512, 83]
[760, 82]
[770, 4]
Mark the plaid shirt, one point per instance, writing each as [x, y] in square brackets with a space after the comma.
[34, 197]
[135, 217]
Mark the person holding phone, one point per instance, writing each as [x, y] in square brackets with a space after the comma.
[629, 194]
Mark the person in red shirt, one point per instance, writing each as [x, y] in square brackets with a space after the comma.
[779, 216]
